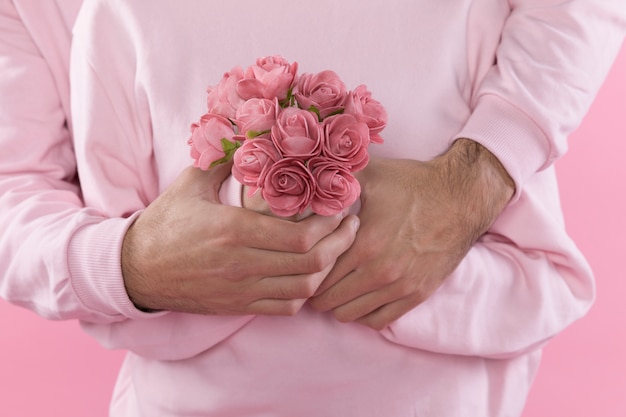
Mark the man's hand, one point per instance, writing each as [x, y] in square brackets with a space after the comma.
[187, 252]
[418, 220]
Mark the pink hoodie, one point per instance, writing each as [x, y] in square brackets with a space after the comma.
[137, 78]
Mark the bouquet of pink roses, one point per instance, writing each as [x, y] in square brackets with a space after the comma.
[297, 138]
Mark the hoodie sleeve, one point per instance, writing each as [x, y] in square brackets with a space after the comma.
[550, 63]
[60, 257]
[41, 206]
[115, 154]
[525, 280]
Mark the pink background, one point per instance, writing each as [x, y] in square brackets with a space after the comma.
[53, 369]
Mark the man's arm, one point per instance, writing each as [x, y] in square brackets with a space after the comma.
[187, 252]
[534, 95]
[418, 221]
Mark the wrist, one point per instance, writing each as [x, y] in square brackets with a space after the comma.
[473, 177]
[132, 272]
[471, 155]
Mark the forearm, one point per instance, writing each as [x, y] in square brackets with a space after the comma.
[474, 181]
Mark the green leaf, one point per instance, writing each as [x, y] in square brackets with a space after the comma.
[251, 134]
[289, 100]
[228, 146]
[339, 111]
[220, 161]
[229, 149]
[315, 110]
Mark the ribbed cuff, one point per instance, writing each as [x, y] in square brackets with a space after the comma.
[511, 135]
[94, 261]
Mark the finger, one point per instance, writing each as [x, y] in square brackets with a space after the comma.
[264, 263]
[359, 257]
[282, 235]
[369, 302]
[206, 183]
[352, 286]
[273, 307]
[291, 286]
[346, 264]
[387, 314]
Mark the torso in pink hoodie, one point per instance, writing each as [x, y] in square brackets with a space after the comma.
[139, 73]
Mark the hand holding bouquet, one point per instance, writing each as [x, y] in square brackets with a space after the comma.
[298, 139]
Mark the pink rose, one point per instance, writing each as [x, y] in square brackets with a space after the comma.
[256, 117]
[270, 78]
[297, 133]
[223, 98]
[360, 104]
[323, 91]
[337, 189]
[252, 161]
[346, 141]
[212, 140]
[288, 188]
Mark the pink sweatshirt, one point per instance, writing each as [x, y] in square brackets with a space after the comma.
[137, 76]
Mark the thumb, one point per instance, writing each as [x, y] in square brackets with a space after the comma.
[210, 181]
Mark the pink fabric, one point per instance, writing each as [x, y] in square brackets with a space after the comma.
[139, 71]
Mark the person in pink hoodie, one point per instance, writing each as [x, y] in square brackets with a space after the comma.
[434, 301]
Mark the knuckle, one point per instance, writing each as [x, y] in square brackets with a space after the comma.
[292, 307]
[318, 261]
[388, 271]
[307, 287]
[302, 242]
[385, 277]
[407, 287]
